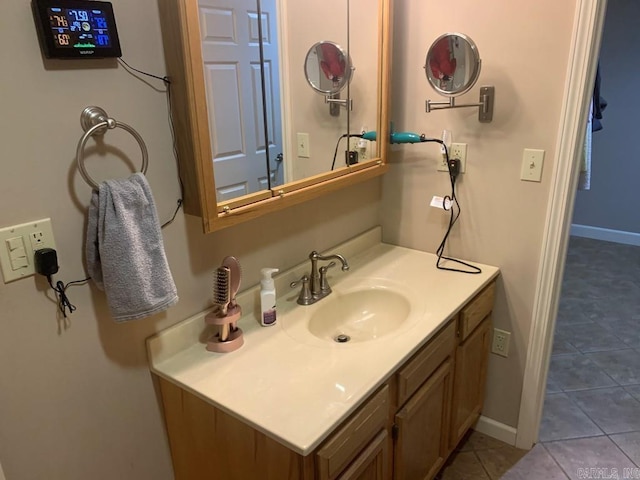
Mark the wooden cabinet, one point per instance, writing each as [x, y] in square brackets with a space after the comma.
[372, 463]
[352, 439]
[421, 428]
[472, 357]
[428, 404]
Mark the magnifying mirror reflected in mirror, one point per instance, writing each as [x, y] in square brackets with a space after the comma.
[452, 64]
[327, 67]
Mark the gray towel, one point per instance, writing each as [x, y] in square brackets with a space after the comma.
[125, 252]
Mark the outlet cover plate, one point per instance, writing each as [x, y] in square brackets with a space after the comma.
[457, 150]
[35, 236]
[500, 343]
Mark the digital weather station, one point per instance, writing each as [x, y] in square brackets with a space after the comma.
[76, 29]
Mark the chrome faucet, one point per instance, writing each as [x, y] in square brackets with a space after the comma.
[315, 286]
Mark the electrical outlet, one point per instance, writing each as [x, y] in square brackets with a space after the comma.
[361, 146]
[500, 344]
[457, 150]
[18, 244]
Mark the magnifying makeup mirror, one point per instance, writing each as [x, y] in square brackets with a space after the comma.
[328, 70]
[452, 64]
[327, 67]
[452, 67]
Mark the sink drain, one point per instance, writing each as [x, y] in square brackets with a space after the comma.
[342, 338]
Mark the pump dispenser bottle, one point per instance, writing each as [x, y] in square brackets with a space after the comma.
[268, 297]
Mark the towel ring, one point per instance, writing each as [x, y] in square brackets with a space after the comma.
[94, 121]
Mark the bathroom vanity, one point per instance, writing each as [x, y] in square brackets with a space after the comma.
[294, 404]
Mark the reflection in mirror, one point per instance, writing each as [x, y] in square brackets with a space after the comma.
[453, 64]
[243, 94]
[327, 67]
[353, 28]
[328, 70]
[239, 92]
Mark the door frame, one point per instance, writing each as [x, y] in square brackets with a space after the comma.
[583, 61]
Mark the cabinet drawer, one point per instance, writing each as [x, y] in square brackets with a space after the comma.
[350, 439]
[476, 310]
[425, 362]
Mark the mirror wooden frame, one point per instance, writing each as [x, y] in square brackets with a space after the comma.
[183, 55]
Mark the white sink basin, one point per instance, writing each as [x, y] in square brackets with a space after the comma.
[359, 310]
[359, 315]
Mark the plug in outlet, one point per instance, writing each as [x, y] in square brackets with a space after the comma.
[500, 344]
[361, 146]
[459, 151]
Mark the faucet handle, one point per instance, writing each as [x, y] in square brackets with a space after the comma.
[304, 279]
[324, 285]
[305, 297]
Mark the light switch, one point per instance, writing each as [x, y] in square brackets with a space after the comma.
[15, 243]
[17, 253]
[532, 161]
[18, 263]
[304, 150]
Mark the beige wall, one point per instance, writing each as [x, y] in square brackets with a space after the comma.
[524, 48]
[77, 400]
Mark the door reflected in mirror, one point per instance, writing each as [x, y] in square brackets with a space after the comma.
[242, 77]
[452, 65]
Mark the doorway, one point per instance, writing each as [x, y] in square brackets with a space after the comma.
[593, 387]
[586, 38]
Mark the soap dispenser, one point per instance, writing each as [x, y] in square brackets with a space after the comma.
[268, 297]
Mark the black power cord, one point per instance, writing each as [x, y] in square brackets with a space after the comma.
[46, 264]
[453, 166]
[63, 300]
[167, 83]
[335, 154]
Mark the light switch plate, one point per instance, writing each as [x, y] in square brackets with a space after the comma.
[532, 161]
[35, 236]
[304, 149]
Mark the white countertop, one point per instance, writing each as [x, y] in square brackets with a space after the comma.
[297, 388]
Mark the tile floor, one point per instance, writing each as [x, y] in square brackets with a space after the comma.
[591, 417]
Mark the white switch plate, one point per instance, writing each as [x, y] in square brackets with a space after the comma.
[35, 235]
[532, 161]
[304, 149]
[459, 151]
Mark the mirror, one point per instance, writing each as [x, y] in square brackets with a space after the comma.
[452, 68]
[226, 110]
[452, 65]
[327, 67]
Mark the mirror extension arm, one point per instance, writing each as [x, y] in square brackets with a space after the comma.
[485, 113]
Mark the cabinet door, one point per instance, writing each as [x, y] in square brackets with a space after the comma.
[472, 357]
[372, 463]
[422, 428]
[348, 442]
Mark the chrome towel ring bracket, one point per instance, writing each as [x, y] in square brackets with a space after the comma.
[95, 121]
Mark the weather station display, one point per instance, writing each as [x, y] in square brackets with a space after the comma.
[76, 29]
[79, 28]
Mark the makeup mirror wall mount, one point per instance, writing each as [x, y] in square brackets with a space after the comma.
[183, 43]
[328, 69]
[452, 67]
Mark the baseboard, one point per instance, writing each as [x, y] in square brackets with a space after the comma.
[497, 430]
[606, 234]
